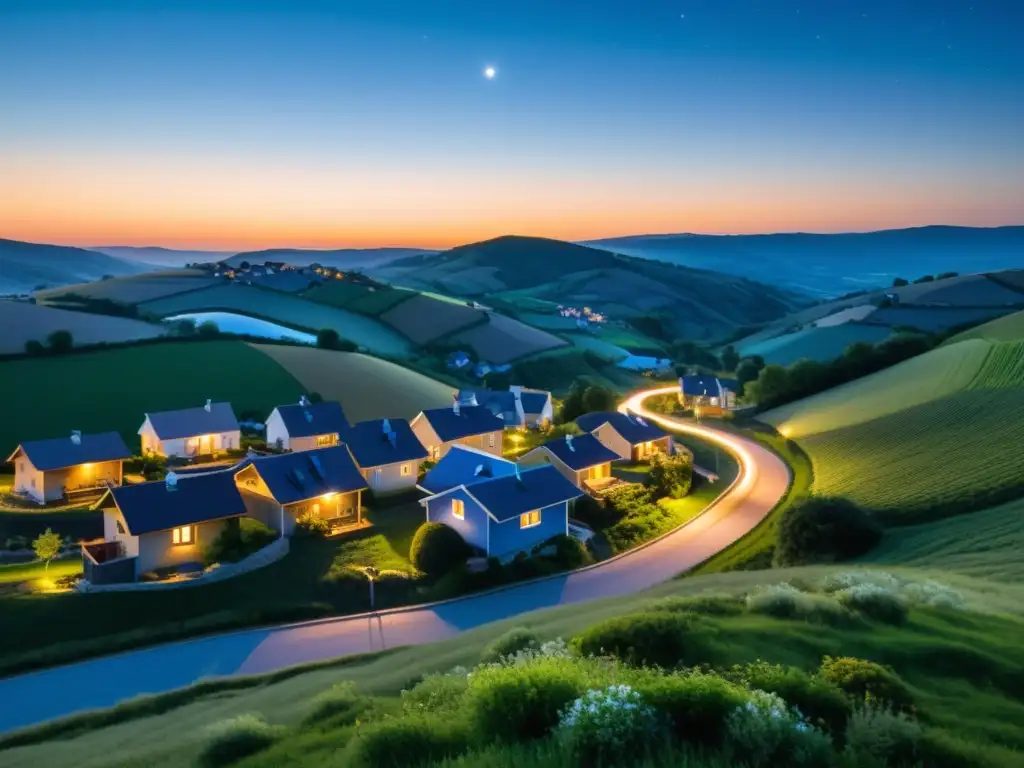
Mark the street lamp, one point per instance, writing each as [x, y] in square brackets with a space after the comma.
[371, 574]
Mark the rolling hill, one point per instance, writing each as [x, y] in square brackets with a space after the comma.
[528, 274]
[341, 258]
[833, 265]
[23, 322]
[25, 267]
[162, 257]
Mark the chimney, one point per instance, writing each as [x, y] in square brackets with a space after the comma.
[455, 407]
[76, 436]
[568, 443]
[385, 426]
[303, 400]
[209, 405]
[393, 439]
[171, 481]
[519, 476]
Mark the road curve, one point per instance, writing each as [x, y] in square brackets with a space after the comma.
[103, 682]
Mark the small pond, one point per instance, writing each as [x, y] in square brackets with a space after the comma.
[229, 322]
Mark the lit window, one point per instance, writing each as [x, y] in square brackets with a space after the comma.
[182, 535]
[326, 440]
[530, 519]
[406, 470]
[458, 509]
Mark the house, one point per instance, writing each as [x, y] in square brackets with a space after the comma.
[305, 425]
[191, 431]
[462, 462]
[481, 370]
[708, 391]
[459, 360]
[517, 407]
[161, 524]
[387, 453]
[504, 515]
[583, 459]
[322, 482]
[440, 428]
[631, 437]
[49, 470]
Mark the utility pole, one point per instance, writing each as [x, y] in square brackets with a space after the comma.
[371, 574]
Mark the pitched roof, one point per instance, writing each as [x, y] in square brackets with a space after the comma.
[465, 466]
[707, 385]
[190, 422]
[155, 506]
[581, 451]
[306, 420]
[501, 404]
[534, 402]
[633, 429]
[303, 475]
[470, 420]
[372, 446]
[508, 497]
[64, 452]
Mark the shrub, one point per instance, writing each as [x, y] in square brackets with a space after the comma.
[661, 638]
[208, 329]
[875, 602]
[60, 341]
[34, 348]
[437, 549]
[867, 681]
[928, 592]
[696, 704]
[241, 538]
[824, 530]
[610, 725]
[590, 511]
[710, 605]
[817, 699]
[339, 704]
[407, 741]
[881, 736]
[515, 640]
[435, 693]
[670, 476]
[522, 701]
[311, 526]
[237, 738]
[569, 553]
[765, 732]
[784, 601]
[628, 498]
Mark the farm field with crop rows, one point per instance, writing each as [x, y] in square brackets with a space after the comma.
[1008, 328]
[503, 339]
[424, 319]
[935, 319]
[287, 310]
[24, 322]
[359, 298]
[137, 288]
[823, 344]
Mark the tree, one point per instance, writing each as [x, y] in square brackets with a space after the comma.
[327, 338]
[208, 329]
[807, 377]
[498, 380]
[670, 476]
[437, 549]
[691, 353]
[60, 341]
[34, 348]
[185, 328]
[244, 265]
[946, 275]
[770, 387]
[598, 397]
[747, 370]
[924, 279]
[47, 547]
[730, 358]
[899, 282]
[315, 397]
[823, 529]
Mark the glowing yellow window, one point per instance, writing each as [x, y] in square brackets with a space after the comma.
[406, 470]
[530, 519]
[183, 535]
[458, 509]
[326, 440]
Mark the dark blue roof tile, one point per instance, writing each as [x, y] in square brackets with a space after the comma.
[303, 475]
[508, 497]
[469, 421]
[465, 466]
[307, 420]
[373, 446]
[581, 451]
[159, 505]
[62, 452]
[633, 429]
[190, 422]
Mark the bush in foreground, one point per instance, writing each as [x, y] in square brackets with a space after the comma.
[670, 476]
[879, 603]
[410, 740]
[817, 699]
[695, 704]
[784, 601]
[608, 726]
[237, 738]
[880, 736]
[340, 705]
[436, 693]
[515, 640]
[765, 732]
[824, 530]
[864, 680]
[659, 638]
[437, 549]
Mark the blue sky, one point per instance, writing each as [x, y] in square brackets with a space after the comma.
[342, 123]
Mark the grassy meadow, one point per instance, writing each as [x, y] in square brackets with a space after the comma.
[23, 322]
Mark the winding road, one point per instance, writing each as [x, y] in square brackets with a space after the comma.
[762, 481]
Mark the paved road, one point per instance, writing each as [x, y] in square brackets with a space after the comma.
[105, 681]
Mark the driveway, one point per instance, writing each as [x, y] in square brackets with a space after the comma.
[61, 691]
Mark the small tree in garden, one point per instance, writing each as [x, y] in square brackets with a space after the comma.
[670, 476]
[208, 329]
[327, 338]
[60, 341]
[47, 547]
[437, 549]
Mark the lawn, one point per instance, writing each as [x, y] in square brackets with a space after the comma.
[288, 310]
[358, 297]
[23, 322]
[502, 339]
[29, 523]
[367, 387]
[821, 344]
[113, 389]
[36, 571]
[959, 665]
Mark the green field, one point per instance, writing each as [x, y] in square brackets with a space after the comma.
[822, 344]
[547, 321]
[113, 389]
[934, 436]
[359, 297]
[597, 344]
[1009, 328]
[288, 310]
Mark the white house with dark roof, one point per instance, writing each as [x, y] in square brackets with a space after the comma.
[161, 524]
[438, 429]
[305, 425]
[50, 470]
[632, 437]
[517, 406]
[388, 454]
[191, 432]
[582, 459]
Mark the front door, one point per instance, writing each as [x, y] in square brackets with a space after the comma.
[205, 445]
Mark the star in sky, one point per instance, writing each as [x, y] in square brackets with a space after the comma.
[490, 72]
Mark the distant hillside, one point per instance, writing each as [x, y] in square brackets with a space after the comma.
[529, 277]
[833, 265]
[164, 257]
[342, 258]
[27, 266]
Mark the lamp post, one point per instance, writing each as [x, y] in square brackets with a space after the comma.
[371, 574]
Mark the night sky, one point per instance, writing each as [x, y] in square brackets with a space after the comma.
[259, 124]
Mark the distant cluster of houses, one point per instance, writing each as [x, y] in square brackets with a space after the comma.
[585, 317]
[277, 274]
[461, 361]
[324, 466]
